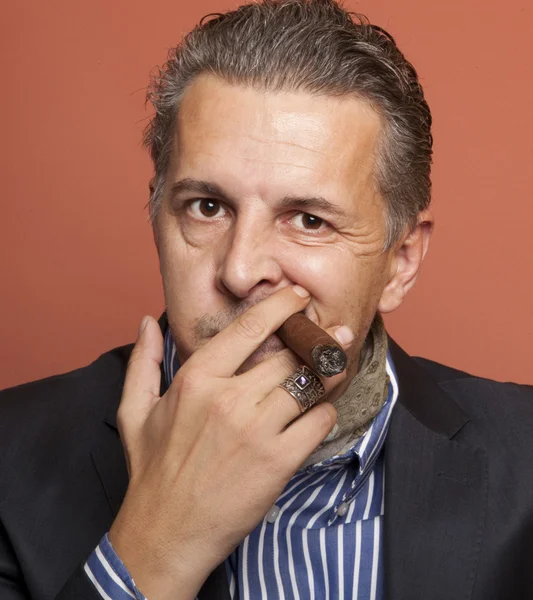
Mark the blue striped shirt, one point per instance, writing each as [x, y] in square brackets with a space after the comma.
[322, 538]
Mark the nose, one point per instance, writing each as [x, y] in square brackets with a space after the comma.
[248, 261]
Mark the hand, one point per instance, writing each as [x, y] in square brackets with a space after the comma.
[209, 458]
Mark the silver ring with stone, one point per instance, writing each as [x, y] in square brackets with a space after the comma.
[305, 387]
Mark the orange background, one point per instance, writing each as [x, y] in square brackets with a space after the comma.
[77, 262]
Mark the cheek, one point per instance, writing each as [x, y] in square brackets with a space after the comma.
[344, 288]
[188, 275]
[327, 273]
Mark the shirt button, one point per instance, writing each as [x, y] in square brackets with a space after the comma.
[343, 509]
[272, 514]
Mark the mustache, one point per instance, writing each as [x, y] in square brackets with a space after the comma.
[209, 325]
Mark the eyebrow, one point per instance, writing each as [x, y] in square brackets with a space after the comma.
[305, 203]
[312, 203]
[199, 187]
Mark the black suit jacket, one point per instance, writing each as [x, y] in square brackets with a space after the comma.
[458, 495]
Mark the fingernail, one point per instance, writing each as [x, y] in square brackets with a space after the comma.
[344, 334]
[298, 289]
[143, 325]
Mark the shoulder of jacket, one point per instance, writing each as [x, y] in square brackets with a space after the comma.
[63, 407]
[448, 376]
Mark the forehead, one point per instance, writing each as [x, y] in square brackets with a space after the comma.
[262, 139]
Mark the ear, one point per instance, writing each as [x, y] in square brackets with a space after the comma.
[407, 258]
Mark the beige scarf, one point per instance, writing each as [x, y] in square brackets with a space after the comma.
[363, 398]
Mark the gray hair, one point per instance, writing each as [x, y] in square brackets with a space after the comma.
[318, 47]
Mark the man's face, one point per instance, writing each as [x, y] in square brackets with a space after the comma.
[266, 190]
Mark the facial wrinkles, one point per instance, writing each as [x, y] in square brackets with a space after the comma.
[273, 163]
[254, 152]
[271, 135]
[275, 136]
[298, 264]
[262, 152]
[298, 130]
[287, 143]
[363, 241]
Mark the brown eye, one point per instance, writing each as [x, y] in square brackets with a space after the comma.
[311, 222]
[205, 209]
[306, 222]
[208, 208]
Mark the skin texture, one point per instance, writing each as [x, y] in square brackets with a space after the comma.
[209, 458]
[221, 253]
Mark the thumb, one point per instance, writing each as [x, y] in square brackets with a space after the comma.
[143, 376]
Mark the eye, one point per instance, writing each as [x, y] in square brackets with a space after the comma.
[205, 208]
[308, 222]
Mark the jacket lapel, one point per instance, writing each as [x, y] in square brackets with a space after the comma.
[435, 493]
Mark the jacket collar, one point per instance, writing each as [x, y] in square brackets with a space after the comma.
[423, 398]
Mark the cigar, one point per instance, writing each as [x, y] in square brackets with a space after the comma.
[318, 349]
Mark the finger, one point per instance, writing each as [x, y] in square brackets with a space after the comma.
[269, 373]
[226, 352]
[280, 407]
[143, 374]
[303, 436]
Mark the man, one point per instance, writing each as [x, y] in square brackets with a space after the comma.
[292, 150]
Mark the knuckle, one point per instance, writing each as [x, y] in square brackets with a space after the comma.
[247, 435]
[242, 429]
[251, 325]
[188, 380]
[221, 408]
